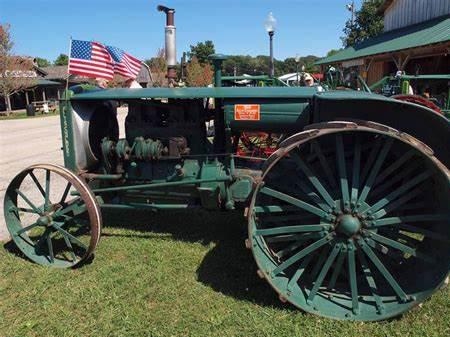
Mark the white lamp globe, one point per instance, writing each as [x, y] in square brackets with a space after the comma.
[270, 23]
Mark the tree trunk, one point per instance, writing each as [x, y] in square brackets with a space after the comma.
[8, 104]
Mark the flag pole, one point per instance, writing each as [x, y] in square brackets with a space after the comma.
[68, 74]
[149, 71]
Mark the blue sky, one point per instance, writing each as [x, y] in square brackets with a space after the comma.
[43, 27]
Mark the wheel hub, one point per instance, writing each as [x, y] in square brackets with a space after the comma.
[45, 220]
[348, 224]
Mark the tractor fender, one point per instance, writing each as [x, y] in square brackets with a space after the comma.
[428, 126]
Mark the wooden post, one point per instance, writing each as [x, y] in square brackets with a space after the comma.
[27, 99]
[43, 94]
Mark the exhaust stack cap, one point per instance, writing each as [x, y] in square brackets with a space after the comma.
[169, 14]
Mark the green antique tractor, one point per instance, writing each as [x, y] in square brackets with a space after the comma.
[431, 91]
[348, 218]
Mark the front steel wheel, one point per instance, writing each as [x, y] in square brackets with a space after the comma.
[52, 216]
[352, 221]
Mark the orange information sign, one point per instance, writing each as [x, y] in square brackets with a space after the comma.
[247, 112]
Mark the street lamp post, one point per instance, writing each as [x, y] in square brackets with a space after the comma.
[297, 60]
[270, 25]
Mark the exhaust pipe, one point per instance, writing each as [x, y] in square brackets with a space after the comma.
[170, 48]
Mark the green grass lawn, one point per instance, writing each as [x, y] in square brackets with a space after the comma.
[173, 275]
[21, 114]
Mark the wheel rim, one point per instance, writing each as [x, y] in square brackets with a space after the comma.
[52, 216]
[345, 219]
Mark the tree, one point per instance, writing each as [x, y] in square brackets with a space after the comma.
[201, 51]
[368, 23]
[158, 68]
[41, 62]
[15, 72]
[61, 60]
[333, 52]
[197, 74]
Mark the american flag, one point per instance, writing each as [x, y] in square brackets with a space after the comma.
[90, 59]
[124, 64]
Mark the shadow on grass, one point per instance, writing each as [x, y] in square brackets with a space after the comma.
[228, 268]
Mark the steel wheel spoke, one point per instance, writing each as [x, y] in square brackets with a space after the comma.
[397, 203]
[65, 193]
[293, 201]
[21, 209]
[319, 262]
[299, 272]
[43, 238]
[313, 196]
[352, 276]
[298, 243]
[371, 282]
[356, 169]
[294, 237]
[69, 245]
[424, 232]
[389, 184]
[337, 268]
[274, 209]
[340, 157]
[324, 163]
[312, 178]
[292, 229]
[50, 248]
[370, 159]
[395, 255]
[403, 189]
[323, 272]
[36, 181]
[394, 166]
[70, 236]
[35, 209]
[383, 271]
[410, 218]
[74, 207]
[26, 229]
[400, 246]
[375, 169]
[47, 189]
[308, 250]
[289, 217]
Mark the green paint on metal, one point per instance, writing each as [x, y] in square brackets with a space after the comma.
[291, 200]
[193, 93]
[348, 225]
[67, 128]
[292, 229]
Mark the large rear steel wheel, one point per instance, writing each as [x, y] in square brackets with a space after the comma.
[352, 221]
[52, 216]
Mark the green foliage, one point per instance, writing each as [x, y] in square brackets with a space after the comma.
[197, 74]
[158, 68]
[201, 51]
[332, 52]
[41, 62]
[259, 65]
[368, 23]
[61, 60]
[169, 274]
